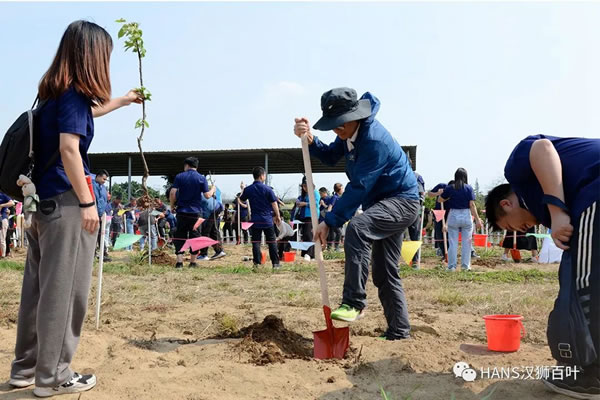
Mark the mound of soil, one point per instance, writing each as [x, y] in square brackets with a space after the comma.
[163, 257]
[270, 342]
[486, 262]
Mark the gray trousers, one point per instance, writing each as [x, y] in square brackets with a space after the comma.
[376, 236]
[55, 292]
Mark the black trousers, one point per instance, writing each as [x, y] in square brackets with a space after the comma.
[227, 231]
[238, 235]
[256, 232]
[438, 235]
[209, 229]
[185, 230]
[334, 238]
[585, 256]
[307, 236]
[413, 233]
[284, 245]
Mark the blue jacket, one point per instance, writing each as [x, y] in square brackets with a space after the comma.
[377, 168]
[101, 197]
[210, 207]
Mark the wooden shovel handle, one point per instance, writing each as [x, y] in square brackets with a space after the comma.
[314, 219]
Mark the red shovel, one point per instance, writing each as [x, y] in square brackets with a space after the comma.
[332, 342]
[515, 254]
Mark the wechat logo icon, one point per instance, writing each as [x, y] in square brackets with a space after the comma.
[463, 370]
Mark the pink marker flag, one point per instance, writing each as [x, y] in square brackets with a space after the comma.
[198, 223]
[198, 243]
[19, 208]
[247, 225]
[439, 214]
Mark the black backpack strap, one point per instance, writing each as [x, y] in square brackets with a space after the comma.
[55, 156]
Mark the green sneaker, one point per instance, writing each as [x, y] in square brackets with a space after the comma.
[346, 313]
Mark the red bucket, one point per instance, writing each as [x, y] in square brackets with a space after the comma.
[289, 256]
[504, 332]
[479, 240]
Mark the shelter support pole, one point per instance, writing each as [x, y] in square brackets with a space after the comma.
[129, 178]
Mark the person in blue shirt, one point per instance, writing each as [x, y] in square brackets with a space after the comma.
[382, 181]
[555, 182]
[211, 208]
[101, 201]
[414, 229]
[171, 221]
[187, 191]
[438, 233]
[74, 90]
[335, 233]
[129, 218]
[459, 199]
[323, 203]
[117, 225]
[265, 211]
[304, 215]
[5, 203]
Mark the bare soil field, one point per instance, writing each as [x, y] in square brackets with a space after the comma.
[222, 331]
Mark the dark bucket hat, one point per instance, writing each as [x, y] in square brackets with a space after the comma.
[340, 105]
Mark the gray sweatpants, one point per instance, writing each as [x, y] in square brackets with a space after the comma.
[55, 292]
[376, 236]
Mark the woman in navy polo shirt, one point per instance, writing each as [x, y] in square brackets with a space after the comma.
[75, 89]
[460, 200]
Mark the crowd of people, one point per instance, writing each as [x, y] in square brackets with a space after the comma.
[551, 181]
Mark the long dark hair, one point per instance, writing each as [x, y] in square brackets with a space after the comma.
[460, 178]
[82, 61]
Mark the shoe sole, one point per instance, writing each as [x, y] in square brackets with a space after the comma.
[217, 257]
[359, 316]
[21, 383]
[49, 392]
[570, 393]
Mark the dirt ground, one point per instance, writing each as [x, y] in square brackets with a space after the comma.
[222, 331]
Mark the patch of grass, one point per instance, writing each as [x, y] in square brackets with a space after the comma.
[451, 297]
[333, 255]
[119, 268]
[506, 276]
[227, 324]
[239, 269]
[13, 265]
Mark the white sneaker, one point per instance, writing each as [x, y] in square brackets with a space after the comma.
[21, 383]
[218, 255]
[79, 383]
[505, 257]
[307, 257]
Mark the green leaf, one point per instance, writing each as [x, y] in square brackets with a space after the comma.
[138, 123]
[121, 32]
[120, 20]
[147, 124]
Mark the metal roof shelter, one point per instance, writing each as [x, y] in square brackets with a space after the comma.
[218, 162]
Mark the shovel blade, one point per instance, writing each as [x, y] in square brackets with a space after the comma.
[331, 344]
[516, 255]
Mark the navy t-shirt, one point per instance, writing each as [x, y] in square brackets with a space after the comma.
[70, 113]
[4, 199]
[191, 186]
[580, 160]
[261, 196]
[458, 198]
[435, 189]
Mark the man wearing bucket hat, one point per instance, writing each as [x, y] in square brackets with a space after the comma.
[556, 182]
[382, 181]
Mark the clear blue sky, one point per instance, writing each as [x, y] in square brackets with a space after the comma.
[464, 82]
